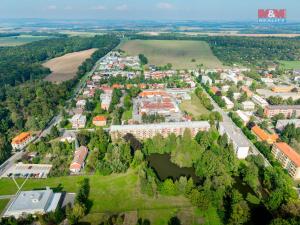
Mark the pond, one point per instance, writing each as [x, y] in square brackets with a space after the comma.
[164, 168]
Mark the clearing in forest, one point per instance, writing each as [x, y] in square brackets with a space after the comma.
[65, 67]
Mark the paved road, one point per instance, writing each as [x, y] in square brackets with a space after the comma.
[9, 162]
[226, 118]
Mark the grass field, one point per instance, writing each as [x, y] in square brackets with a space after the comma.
[290, 64]
[114, 193]
[193, 106]
[65, 67]
[20, 40]
[178, 53]
[3, 203]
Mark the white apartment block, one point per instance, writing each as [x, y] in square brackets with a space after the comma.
[143, 131]
[259, 101]
[229, 104]
[240, 143]
[248, 105]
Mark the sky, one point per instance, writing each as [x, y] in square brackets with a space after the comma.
[202, 10]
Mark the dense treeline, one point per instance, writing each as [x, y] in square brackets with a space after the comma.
[242, 50]
[21, 63]
[30, 106]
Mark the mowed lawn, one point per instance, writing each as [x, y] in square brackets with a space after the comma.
[120, 193]
[113, 193]
[290, 64]
[193, 106]
[179, 53]
[65, 67]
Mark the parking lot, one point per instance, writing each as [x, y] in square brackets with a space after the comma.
[20, 170]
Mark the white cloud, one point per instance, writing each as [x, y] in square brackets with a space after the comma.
[98, 7]
[164, 5]
[52, 7]
[123, 7]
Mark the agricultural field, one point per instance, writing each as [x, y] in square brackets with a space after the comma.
[181, 54]
[290, 64]
[20, 40]
[65, 67]
[114, 193]
[193, 106]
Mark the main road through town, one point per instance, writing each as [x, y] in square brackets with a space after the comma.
[226, 118]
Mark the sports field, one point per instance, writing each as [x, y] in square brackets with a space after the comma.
[19, 40]
[116, 193]
[181, 54]
[65, 67]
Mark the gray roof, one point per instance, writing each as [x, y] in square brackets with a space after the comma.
[235, 134]
[32, 201]
[192, 124]
[294, 107]
[281, 123]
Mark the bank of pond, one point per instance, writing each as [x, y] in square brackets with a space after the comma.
[164, 168]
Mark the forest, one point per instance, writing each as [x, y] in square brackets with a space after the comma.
[27, 102]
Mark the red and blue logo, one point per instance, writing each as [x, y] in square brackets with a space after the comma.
[272, 15]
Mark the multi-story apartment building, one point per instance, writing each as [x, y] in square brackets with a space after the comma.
[281, 124]
[20, 141]
[259, 101]
[239, 141]
[286, 110]
[143, 131]
[288, 158]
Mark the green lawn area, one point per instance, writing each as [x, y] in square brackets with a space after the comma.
[290, 64]
[20, 40]
[119, 193]
[3, 203]
[178, 53]
[209, 217]
[193, 106]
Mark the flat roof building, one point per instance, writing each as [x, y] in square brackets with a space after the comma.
[281, 124]
[143, 131]
[31, 202]
[287, 110]
[239, 141]
[259, 101]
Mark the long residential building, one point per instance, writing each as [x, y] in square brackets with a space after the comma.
[259, 101]
[264, 136]
[286, 110]
[79, 158]
[281, 124]
[240, 143]
[288, 158]
[143, 131]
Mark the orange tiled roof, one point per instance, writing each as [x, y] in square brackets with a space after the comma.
[214, 89]
[147, 93]
[21, 138]
[79, 157]
[289, 152]
[270, 138]
[99, 118]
